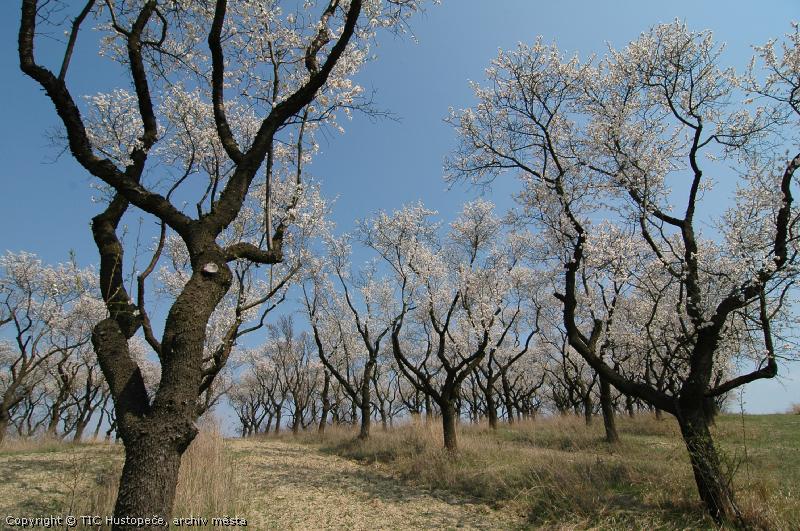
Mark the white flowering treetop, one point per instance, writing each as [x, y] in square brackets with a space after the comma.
[46, 318]
[208, 134]
[459, 295]
[636, 139]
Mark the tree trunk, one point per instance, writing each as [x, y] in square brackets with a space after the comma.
[52, 425]
[428, 409]
[474, 407]
[80, 427]
[449, 422]
[112, 428]
[711, 410]
[4, 421]
[143, 493]
[587, 409]
[507, 397]
[629, 405]
[326, 403]
[366, 413]
[491, 407]
[366, 398]
[510, 412]
[298, 415]
[607, 407]
[99, 423]
[714, 488]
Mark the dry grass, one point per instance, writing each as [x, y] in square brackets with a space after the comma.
[82, 479]
[37, 444]
[548, 474]
[560, 474]
[293, 487]
[207, 484]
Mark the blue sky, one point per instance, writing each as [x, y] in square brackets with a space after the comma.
[46, 207]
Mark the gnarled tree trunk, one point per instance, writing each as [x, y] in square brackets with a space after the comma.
[712, 485]
[143, 493]
[607, 407]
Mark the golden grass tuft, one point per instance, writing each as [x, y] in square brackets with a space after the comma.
[207, 483]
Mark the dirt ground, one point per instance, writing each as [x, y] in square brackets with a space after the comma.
[294, 487]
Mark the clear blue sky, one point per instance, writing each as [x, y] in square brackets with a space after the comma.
[45, 205]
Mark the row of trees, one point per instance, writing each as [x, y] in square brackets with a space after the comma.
[672, 306]
[60, 389]
[615, 158]
[454, 324]
[286, 384]
[52, 383]
[50, 380]
[226, 99]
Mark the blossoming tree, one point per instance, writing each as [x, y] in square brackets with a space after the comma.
[633, 139]
[46, 317]
[220, 91]
[460, 297]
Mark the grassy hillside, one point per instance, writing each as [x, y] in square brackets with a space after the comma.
[552, 473]
[559, 473]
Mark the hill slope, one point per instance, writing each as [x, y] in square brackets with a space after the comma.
[551, 473]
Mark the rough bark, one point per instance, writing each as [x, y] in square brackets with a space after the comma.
[143, 493]
[712, 485]
[449, 425]
[607, 407]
